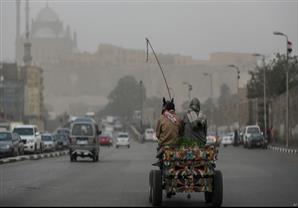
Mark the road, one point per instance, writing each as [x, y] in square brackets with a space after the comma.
[252, 177]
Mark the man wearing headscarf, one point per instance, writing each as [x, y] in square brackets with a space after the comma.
[168, 127]
[195, 123]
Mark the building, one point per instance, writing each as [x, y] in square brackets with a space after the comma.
[33, 93]
[12, 85]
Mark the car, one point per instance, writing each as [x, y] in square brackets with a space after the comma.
[118, 126]
[63, 131]
[84, 139]
[105, 140]
[123, 140]
[227, 139]
[31, 138]
[62, 141]
[212, 139]
[49, 142]
[253, 137]
[150, 135]
[10, 144]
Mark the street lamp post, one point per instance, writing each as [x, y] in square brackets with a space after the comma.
[211, 95]
[2, 111]
[287, 87]
[238, 77]
[141, 94]
[264, 89]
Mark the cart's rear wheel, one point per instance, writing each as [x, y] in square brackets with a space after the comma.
[150, 185]
[217, 194]
[208, 197]
[156, 188]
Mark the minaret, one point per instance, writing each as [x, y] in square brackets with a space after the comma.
[75, 39]
[17, 40]
[27, 45]
[18, 3]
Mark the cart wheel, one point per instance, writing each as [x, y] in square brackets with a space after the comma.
[94, 158]
[208, 197]
[72, 158]
[217, 194]
[156, 188]
[150, 185]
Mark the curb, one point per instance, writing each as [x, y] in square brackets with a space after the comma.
[283, 149]
[33, 157]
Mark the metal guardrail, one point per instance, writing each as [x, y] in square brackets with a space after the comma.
[136, 134]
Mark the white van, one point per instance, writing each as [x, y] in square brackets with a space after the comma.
[250, 129]
[30, 137]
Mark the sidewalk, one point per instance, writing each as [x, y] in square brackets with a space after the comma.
[282, 148]
[33, 157]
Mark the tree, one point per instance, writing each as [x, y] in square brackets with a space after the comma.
[226, 98]
[275, 77]
[125, 98]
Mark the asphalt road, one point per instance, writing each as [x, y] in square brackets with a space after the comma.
[253, 177]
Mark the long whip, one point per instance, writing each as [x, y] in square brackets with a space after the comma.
[148, 43]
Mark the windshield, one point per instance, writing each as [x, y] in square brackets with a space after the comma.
[23, 131]
[149, 131]
[5, 137]
[107, 133]
[253, 130]
[123, 136]
[82, 129]
[46, 138]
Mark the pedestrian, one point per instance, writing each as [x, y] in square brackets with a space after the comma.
[236, 137]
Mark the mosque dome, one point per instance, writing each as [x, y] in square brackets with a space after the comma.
[47, 15]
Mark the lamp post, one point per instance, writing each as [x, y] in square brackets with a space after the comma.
[264, 92]
[189, 89]
[287, 87]
[238, 77]
[211, 95]
[141, 95]
[2, 95]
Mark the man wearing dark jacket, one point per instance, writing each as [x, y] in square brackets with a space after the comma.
[195, 123]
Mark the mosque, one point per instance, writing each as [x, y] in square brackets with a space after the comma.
[51, 40]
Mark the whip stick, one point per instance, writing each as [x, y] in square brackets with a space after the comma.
[148, 43]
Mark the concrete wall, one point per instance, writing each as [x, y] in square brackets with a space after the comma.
[279, 117]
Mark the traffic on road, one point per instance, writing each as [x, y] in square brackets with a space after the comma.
[148, 103]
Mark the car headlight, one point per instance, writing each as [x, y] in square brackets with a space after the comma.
[7, 146]
[31, 140]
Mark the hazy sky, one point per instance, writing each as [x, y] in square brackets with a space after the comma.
[188, 27]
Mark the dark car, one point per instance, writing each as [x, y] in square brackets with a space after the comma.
[62, 141]
[256, 139]
[62, 131]
[10, 144]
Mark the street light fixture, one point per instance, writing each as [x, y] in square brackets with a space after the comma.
[189, 89]
[264, 89]
[287, 87]
[238, 77]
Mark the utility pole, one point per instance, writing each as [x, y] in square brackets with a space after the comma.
[287, 86]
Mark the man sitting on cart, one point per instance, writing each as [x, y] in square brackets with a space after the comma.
[194, 123]
[168, 128]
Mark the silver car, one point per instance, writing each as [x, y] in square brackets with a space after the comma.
[49, 142]
[84, 139]
[10, 144]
